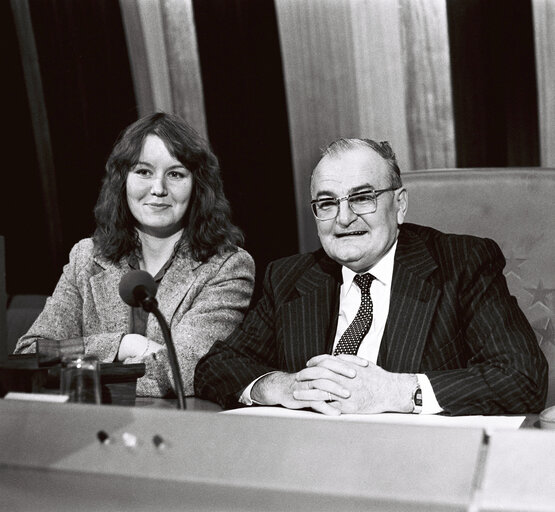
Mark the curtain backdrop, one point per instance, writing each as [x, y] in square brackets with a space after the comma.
[450, 83]
[70, 93]
[465, 83]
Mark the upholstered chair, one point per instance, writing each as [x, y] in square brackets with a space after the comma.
[516, 208]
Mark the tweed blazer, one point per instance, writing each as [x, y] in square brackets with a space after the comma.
[451, 317]
[201, 302]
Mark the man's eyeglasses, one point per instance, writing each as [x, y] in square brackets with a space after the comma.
[360, 203]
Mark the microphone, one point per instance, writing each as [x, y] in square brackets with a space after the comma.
[138, 289]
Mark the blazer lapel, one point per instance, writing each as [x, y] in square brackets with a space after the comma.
[412, 305]
[310, 319]
[174, 286]
[112, 311]
[116, 314]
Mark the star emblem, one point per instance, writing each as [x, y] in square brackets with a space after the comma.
[546, 334]
[540, 294]
[513, 265]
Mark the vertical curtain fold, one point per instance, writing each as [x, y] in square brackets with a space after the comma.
[183, 62]
[544, 37]
[162, 42]
[40, 125]
[366, 68]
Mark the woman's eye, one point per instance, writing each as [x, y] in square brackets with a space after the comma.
[176, 175]
[142, 171]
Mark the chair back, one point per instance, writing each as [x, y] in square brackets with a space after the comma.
[516, 208]
[3, 301]
[22, 311]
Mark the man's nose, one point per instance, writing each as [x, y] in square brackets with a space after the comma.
[158, 187]
[345, 215]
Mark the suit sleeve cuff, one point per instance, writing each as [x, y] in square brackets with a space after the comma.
[245, 397]
[430, 404]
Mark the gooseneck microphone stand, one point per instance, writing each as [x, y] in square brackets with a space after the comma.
[150, 305]
[138, 289]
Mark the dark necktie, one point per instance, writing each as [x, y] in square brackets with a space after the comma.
[353, 336]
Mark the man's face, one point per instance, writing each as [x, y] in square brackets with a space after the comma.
[357, 241]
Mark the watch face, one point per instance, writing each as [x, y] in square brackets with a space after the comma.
[418, 397]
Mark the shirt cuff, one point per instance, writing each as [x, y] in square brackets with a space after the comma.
[430, 404]
[245, 397]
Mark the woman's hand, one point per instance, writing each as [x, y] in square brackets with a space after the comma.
[136, 346]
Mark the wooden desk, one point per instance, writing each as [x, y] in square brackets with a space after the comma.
[29, 373]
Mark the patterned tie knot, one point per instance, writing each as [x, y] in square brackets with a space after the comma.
[364, 281]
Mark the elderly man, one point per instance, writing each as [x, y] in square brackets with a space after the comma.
[387, 317]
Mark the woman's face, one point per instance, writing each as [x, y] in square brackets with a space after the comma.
[158, 189]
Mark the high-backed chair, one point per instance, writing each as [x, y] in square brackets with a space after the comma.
[516, 208]
[22, 312]
[3, 300]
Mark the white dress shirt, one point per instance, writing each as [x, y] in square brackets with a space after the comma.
[349, 303]
[380, 291]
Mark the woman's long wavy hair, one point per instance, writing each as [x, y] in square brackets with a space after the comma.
[208, 228]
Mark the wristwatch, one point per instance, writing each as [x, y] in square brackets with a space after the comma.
[417, 400]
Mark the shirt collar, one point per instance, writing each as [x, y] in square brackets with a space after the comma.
[382, 270]
[133, 262]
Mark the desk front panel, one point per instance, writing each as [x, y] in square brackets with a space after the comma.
[519, 472]
[203, 458]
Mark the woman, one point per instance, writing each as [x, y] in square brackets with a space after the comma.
[161, 209]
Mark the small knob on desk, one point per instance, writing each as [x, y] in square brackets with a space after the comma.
[103, 437]
[158, 442]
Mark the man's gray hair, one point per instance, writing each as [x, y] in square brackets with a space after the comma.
[382, 148]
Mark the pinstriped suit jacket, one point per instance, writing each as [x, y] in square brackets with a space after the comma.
[451, 317]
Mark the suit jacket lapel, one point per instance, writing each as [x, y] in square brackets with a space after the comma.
[412, 305]
[311, 317]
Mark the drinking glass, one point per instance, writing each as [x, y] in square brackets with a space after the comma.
[80, 379]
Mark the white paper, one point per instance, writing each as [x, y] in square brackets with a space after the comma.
[487, 423]
[38, 397]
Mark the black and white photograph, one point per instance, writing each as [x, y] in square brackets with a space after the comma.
[278, 255]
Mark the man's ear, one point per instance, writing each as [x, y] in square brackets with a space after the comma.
[402, 199]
